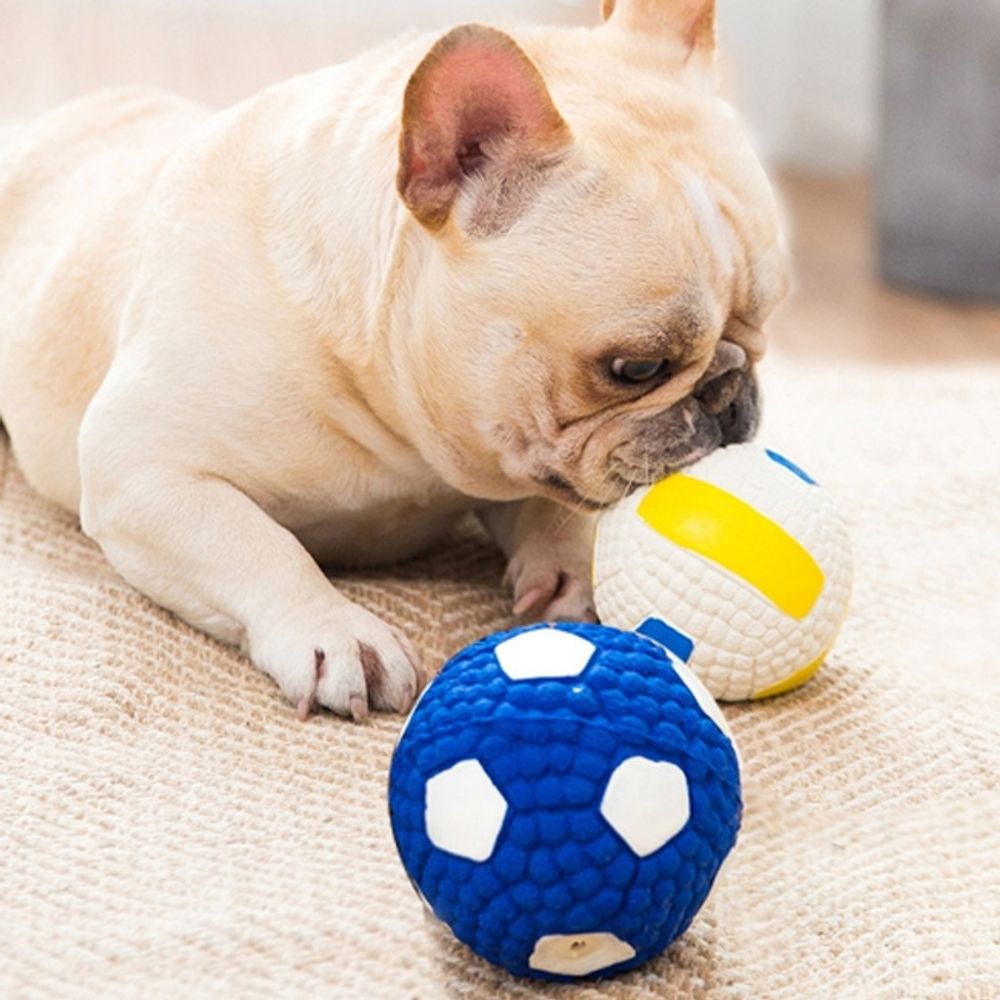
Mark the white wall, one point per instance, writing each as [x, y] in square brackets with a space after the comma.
[394, 15]
[803, 71]
[805, 74]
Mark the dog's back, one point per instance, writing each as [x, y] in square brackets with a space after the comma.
[72, 185]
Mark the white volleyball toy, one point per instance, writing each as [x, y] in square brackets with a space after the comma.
[740, 566]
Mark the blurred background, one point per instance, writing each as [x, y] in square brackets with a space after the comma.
[880, 120]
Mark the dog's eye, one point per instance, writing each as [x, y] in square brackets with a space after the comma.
[634, 372]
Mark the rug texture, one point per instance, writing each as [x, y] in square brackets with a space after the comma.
[168, 829]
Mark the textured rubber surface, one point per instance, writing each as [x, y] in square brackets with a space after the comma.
[743, 643]
[550, 746]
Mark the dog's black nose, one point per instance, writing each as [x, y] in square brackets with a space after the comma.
[728, 392]
[718, 394]
[728, 357]
[740, 420]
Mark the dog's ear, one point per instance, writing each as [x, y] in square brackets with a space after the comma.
[476, 107]
[691, 23]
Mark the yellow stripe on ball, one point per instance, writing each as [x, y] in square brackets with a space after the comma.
[713, 523]
[792, 681]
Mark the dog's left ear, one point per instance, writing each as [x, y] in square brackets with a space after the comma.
[476, 107]
[691, 23]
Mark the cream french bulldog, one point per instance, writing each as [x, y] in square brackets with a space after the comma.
[456, 274]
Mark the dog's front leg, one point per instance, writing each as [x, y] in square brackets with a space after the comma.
[549, 551]
[205, 550]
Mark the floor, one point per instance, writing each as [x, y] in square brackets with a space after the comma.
[51, 50]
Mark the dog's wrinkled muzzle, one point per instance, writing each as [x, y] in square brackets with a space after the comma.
[724, 408]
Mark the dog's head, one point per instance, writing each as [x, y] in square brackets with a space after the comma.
[602, 250]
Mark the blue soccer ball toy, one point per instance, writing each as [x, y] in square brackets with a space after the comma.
[563, 797]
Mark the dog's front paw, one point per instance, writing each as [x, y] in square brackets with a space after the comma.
[552, 583]
[341, 657]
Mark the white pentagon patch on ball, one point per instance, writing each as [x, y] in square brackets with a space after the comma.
[544, 652]
[743, 557]
[647, 803]
[464, 811]
[579, 954]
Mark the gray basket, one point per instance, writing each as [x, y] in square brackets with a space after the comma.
[939, 170]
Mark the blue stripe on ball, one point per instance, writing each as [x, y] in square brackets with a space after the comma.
[791, 466]
[672, 639]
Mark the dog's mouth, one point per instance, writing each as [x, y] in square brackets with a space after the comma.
[724, 409]
[568, 492]
[619, 487]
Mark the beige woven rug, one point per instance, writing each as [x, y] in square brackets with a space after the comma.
[167, 829]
